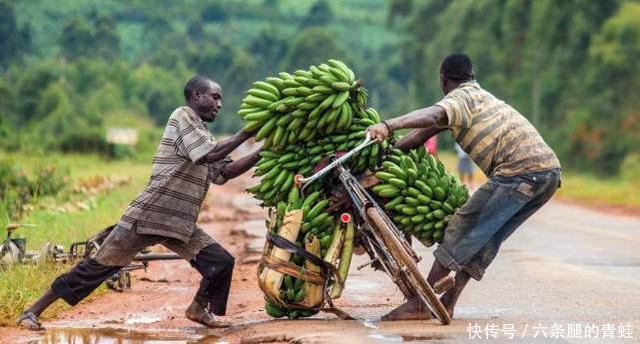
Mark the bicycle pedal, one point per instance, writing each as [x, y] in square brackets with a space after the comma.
[444, 284]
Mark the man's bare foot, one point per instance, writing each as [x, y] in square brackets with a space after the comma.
[197, 313]
[448, 306]
[29, 321]
[410, 310]
[437, 273]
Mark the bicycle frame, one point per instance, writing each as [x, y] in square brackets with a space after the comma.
[386, 245]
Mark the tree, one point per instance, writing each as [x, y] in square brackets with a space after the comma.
[320, 14]
[30, 85]
[310, 47]
[14, 40]
[214, 12]
[398, 9]
[195, 31]
[270, 48]
[76, 39]
[106, 40]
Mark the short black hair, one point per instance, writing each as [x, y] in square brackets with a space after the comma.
[197, 83]
[457, 67]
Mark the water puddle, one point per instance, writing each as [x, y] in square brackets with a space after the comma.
[142, 320]
[120, 336]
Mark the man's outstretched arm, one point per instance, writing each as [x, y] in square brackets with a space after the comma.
[242, 165]
[224, 147]
[416, 138]
[424, 118]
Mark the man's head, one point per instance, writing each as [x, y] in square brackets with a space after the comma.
[455, 69]
[204, 96]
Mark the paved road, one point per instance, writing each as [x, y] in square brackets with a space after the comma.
[567, 275]
[567, 272]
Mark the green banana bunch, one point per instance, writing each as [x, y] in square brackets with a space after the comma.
[302, 119]
[419, 194]
[298, 107]
[278, 312]
[316, 222]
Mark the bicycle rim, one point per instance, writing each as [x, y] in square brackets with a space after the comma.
[422, 289]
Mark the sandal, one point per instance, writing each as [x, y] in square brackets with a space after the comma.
[444, 284]
[209, 320]
[29, 321]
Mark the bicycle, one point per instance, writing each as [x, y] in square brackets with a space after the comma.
[387, 247]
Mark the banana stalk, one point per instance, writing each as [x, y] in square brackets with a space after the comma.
[314, 295]
[345, 260]
[333, 252]
[289, 230]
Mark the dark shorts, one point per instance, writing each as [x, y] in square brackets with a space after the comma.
[476, 231]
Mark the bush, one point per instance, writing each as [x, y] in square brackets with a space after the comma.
[630, 168]
[120, 151]
[17, 189]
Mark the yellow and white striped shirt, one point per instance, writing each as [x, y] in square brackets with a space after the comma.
[497, 137]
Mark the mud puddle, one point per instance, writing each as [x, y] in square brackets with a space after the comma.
[120, 336]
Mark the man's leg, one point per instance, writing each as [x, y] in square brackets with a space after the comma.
[471, 227]
[116, 252]
[215, 264]
[546, 188]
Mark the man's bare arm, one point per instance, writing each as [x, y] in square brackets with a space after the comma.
[421, 118]
[224, 147]
[242, 165]
[416, 138]
[424, 118]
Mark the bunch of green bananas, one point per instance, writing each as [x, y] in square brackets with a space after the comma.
[300, 107]
[278, 312]
[304, 118]
[315, 222]
[419, 193]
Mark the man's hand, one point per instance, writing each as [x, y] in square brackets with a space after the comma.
[250, 133]
[378, 132]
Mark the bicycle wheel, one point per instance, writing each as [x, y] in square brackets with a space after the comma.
[414, 278]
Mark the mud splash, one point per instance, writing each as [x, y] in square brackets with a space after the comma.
[120, 336]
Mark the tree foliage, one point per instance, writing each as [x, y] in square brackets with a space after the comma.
[571, 67]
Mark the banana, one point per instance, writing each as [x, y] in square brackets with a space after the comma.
[257, 102]
[261, 115]
[323, 90]
[267, 87]
[337, 85]
[266, 129]
[340, 99]
[262, 94]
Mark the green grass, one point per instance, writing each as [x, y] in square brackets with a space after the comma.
[592, 190]
[582, 187]
[21, 285]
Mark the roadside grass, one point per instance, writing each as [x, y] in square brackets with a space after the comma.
[596, 191]
[21, 285]
[584, 188]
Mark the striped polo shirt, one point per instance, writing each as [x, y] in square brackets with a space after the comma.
[497, 138]
[170, 203]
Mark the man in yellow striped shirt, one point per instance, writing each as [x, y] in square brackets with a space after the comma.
[523, 172]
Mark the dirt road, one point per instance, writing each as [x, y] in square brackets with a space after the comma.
[567, 273]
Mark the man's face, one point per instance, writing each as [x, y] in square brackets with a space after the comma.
[209, 102]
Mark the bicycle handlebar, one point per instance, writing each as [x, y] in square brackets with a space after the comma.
[303, 182]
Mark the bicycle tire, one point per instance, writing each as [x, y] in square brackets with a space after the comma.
[422, 289]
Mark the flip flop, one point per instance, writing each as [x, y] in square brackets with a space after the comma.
[29, 321]
[209, 320]
[444, 284]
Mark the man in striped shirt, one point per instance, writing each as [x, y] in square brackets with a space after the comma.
[524, 174]
[186, 162]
